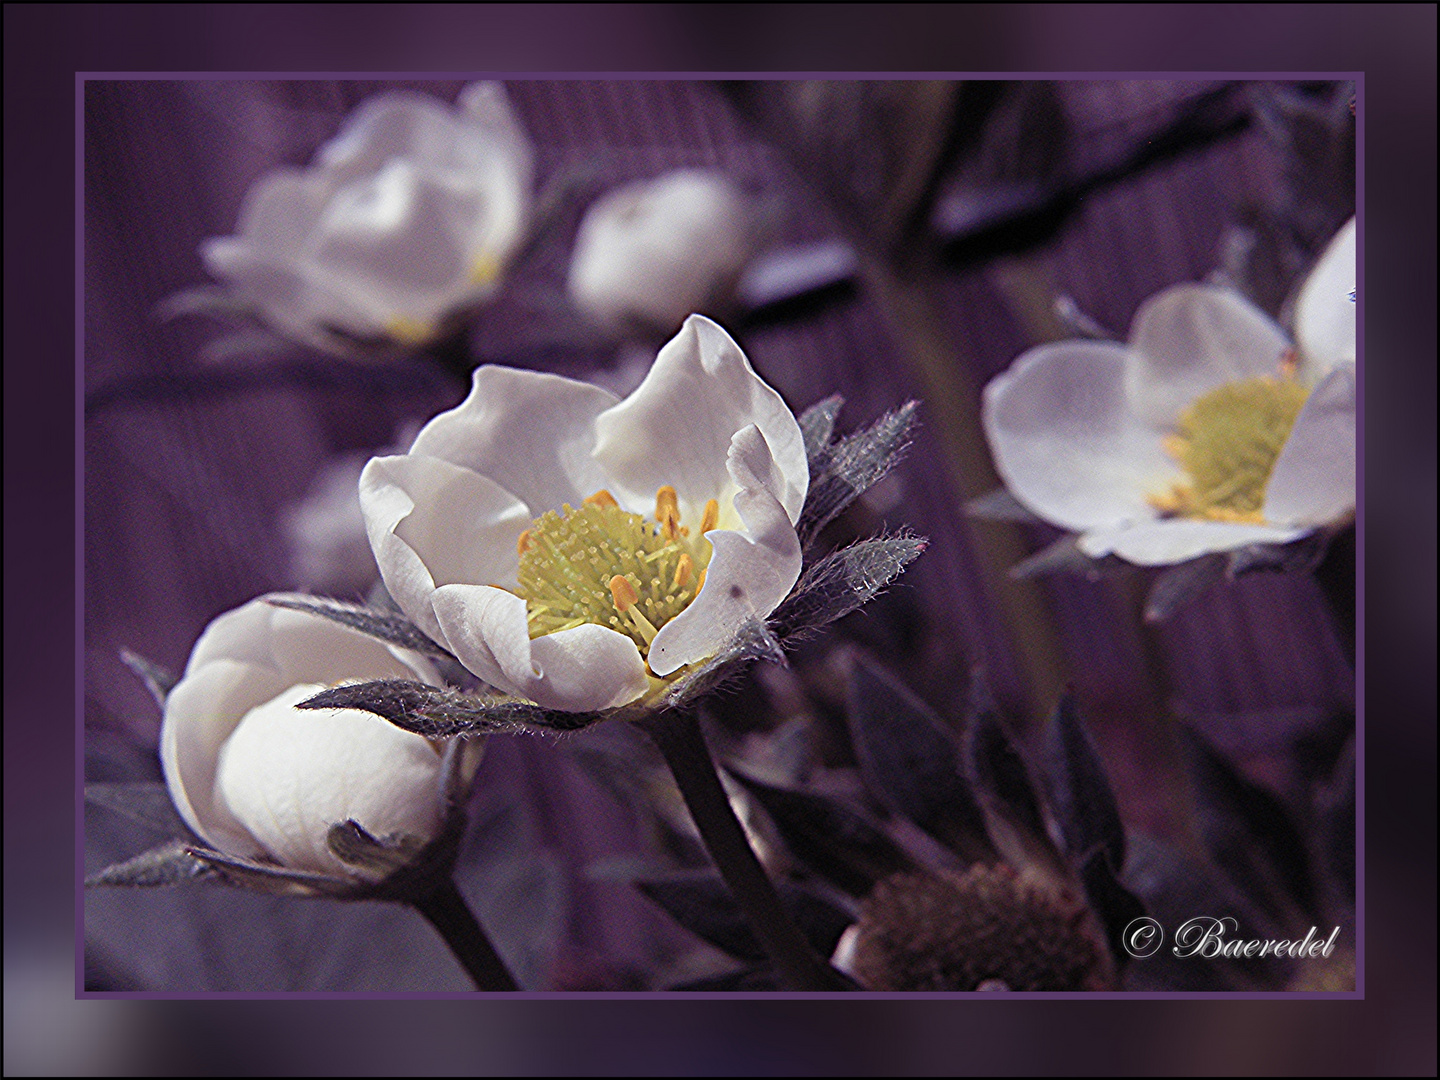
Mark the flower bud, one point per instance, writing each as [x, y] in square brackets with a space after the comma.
[650, 253]
[258, 778]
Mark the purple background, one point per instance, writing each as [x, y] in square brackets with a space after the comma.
[776, 1035]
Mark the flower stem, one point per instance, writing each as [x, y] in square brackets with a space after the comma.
[1336, 577]
[682, 743]
[446, 910]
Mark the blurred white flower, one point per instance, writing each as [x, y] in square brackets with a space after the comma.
[325, 531]
[256, 777]
[407, 215]
[1206, 432]
[649, 253]
[568, 546]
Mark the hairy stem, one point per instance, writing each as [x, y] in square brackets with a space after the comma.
[446, 910]
[680, 740]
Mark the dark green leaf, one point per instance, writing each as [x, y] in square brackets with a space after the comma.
[845, 470]
[1177, 585]
[911, 761]
[1115, 906]
[158, 680]
[753, 641]
[817, 425]
[1000, 505]
[352, 844]
[385, 625]
[701, 902]
[1003, 788]
[269, 878]
[439, 713]
[831, 838]
[1248, 832]
[1063, 557]
[168, 864]
[843, 581]
[1079, 790]
[147, 803]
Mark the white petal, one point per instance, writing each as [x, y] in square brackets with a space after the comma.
[750, 572]
[677, 427]
[587, 667]
[310, 649]
[657, 250]
[288, 775]
[1313, 482]
[292, 296]
[433, 523]
[530, 432]
[479, 146]
[1325, 308]
[503, 149]
[400, 241]
[409, 126]
[1065, 441]
[1161, 543]
[200, 713]
[240, 634]
[1190, 339]
[280, 210]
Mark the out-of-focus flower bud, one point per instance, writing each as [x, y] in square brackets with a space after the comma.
[650, 253]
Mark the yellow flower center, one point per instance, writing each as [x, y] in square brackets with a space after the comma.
[600, 564]
[1227, 442]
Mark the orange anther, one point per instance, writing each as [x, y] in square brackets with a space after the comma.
[525, 542]
[601, 498]
[623, 593]
[667, 512]
[683, 571]
[711, 517]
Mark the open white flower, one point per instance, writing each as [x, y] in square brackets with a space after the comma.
[651, 252]
[408, 214]
[558, 540]
[257, 778]
[1206, 432]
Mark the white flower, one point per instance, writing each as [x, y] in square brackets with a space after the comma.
[408, 214]
[256, 777]
[1205, 433]
[556, 538]
[651, 252]
[325, 531]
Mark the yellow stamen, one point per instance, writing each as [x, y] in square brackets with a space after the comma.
[1228, 441]
[642, 624]
[600, 564]
[667, 512]
[624, 594]
[601, 498]
[711, 517]
[700, 581]
[683, 570]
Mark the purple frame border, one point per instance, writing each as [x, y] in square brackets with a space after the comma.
[81, 77]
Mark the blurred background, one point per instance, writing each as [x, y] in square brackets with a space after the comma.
[963, 207]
